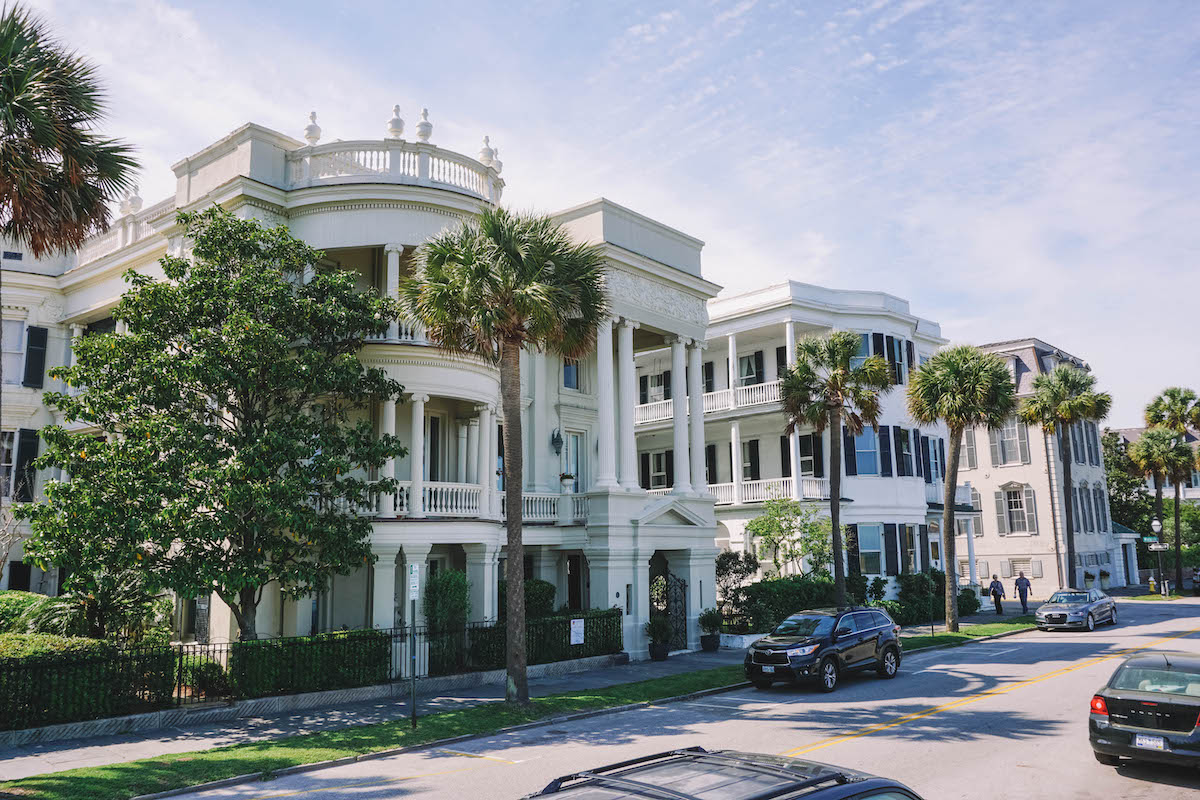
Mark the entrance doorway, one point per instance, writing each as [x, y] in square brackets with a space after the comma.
[668, 598]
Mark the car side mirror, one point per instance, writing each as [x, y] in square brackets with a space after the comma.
[842, 632]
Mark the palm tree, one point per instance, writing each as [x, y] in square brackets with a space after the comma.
[495, 286]
[1062, 397]
[1152, 455]
[57, 176]
[1176, 409]
[824, 390]
[964, 387]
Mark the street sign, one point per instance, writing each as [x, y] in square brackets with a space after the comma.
[1158, 547]
[1150, 538]
[414, 581]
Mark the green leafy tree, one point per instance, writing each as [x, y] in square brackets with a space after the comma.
[1157, 454]
[228, 454]
[826, 390]
[1062, 397]
[1176, 409]
[494, 286]
[965, 388]
[1189, 528]
[57, 175]
[98, 606]
[733, 569]
[787, 530]
[1129, 500]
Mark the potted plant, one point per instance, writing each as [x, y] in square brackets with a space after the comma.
[1088, 578]
[1104, 576]
[658, 631]
[567, 481]
[710, 622]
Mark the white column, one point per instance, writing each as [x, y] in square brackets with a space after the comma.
[974, 577]
[392, 283]
[415, 553]
[487, 459]
[679, 408]
[383, 595]
[731, 339]
[696, 416]
[539, 445]
[462, 451]
[789, 342]
[606, 423]
[735, 439]
[387, 427]
[482, 560]
[416, 457]
[76, 333]
[472, 451]
[122, 327]
[627, 397]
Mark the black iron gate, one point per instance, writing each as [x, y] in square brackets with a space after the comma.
[668, 597]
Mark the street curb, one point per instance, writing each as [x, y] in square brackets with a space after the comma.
[340, 762]
[948, 645]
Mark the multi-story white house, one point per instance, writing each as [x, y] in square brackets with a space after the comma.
[367, 204]
[1017, 493]
[892, 490]
[1190, 491]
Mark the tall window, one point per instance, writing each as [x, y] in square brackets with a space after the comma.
[909, 540]
[571, 373]
[864, 350]
[1101, 507]
[656, 391]
[807, 464]
[897, 358]
[976, 518]
[13, 334]
[574, 451]
[870, 549]
[935, 458]
[966, 453]
[1015, 501]
[866, 452]
[1010, 445]
[658, 470]
[904, 452]
[748, 371]
[7, 452]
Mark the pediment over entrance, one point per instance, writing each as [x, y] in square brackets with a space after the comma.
[670, 511]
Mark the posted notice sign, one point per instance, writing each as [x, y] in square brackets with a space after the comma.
[576, 631]
[414, 581]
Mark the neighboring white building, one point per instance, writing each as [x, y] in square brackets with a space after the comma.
[1190, 491]
[1018, 494]
[368, 204]
[892, 490]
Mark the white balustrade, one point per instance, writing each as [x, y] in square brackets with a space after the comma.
[408, 331]
[100, 246]
[403, 497]
[723, 493]
[579, 507]
[758, 393]
[659, 492]
[766, 489]
[814, 488]
[720, 400]
[770, 488]
[539, 507]
[652, 412]
[717, 401]
[452, 499]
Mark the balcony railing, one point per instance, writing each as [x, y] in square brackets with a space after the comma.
[770, 488]
[407, 331]
[721, 400]
[936, 492]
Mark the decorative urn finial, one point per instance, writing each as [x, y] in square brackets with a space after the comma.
[312, 132]
[486, 153]
[497, 164]
[395, 124]
[424, 127]
[134, 200]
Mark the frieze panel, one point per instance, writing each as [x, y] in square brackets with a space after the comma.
[655, 296]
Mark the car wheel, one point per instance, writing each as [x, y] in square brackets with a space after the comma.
[761, 684]
[829, 675]
[1091, 623]
[1107, 760]
[889, 664]
[1113, 618]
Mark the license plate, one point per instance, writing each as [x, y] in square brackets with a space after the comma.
[1149, 742]
[769, 670]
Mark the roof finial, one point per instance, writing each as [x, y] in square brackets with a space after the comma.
[497, 164]
[424, 127]
[486, 153]
[395, 124]
[312, 132]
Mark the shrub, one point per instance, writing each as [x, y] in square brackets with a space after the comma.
[13, 607]
[856, 588]
[204, 675]
[877, 590]
[733, 569]
[767, 603]
[892, 608]
[710, 621]
[659, 630]
[539, 599]
[340, 660]
[968, 602]
[547, 639]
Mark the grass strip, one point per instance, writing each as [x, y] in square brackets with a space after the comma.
[1151, 598]
[969, 632]
[133, 778]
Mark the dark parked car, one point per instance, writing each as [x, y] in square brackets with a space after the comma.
[824, 645]
[1076, 608]
[1149, 711]
[699, 774]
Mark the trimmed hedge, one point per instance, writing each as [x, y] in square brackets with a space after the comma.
[539, 598]
[547, 639]
[767, 603]
[14, 605]
[340, 660]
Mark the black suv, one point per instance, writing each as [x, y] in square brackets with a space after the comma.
[698, 774]
[823, 645]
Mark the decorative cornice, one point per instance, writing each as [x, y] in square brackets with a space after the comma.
[364, 205]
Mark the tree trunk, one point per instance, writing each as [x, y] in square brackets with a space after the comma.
[1068, 505]
[835, 503]
[949, 557]
[517, 689]
[245, 613]
[1178, 543]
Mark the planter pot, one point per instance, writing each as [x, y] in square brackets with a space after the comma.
[658, 652]
[710, 642]
[1104, 582]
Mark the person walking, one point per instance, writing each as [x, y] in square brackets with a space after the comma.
[1023, 586]
[996, 590]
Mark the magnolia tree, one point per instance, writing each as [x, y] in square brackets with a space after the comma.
[229, 446]
[788, 532]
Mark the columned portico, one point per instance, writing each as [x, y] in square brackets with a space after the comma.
[626, 376]
[696, 416]
[679, 394]
[606, 469]
[482, 562]
[383, 594]
[416, 456]
[414, 553]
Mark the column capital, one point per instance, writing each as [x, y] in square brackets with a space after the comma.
[418, 398]
[698, 344]
[416, 551]
[680, 340]
[626, 322]
[393, 247]
[385, 552]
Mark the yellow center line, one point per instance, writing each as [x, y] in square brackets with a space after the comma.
[962, 701]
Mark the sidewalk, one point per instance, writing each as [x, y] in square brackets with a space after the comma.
[986, 614]
[20, 762]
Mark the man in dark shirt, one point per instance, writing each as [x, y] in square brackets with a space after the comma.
[1023, 586]
[996, 590]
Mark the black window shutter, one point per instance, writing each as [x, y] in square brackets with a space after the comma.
[912, 361]
[891, 358]
[877, 344]
[780, 361]
[848, 453]
[926, 465]
[727, 377]
[758, 366]
[818, 447]
[709, 385]
[666, 384]
[23, 472]
[885, 452]
[942, 455]
[924, 537]
[754, 471]
[903, 466]
[644, 389]
[852, 550]
[35, 358]
[644, 470]
[670, 458]
[710, 462]
[891, 549]
[785, 455]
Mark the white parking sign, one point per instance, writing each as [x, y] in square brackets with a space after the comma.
[414, 581]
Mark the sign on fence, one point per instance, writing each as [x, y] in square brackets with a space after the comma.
[414, 581]
[576, 631]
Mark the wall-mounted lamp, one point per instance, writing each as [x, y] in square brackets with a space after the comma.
[556, 442]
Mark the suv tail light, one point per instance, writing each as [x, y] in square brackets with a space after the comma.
[1099, 706]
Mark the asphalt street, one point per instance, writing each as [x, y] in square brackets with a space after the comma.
[1002, 718]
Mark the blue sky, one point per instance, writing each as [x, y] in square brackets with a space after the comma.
[1012, 169]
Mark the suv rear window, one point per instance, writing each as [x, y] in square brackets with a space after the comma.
[814, 625]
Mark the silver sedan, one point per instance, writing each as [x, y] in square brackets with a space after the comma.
[1076, 609]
